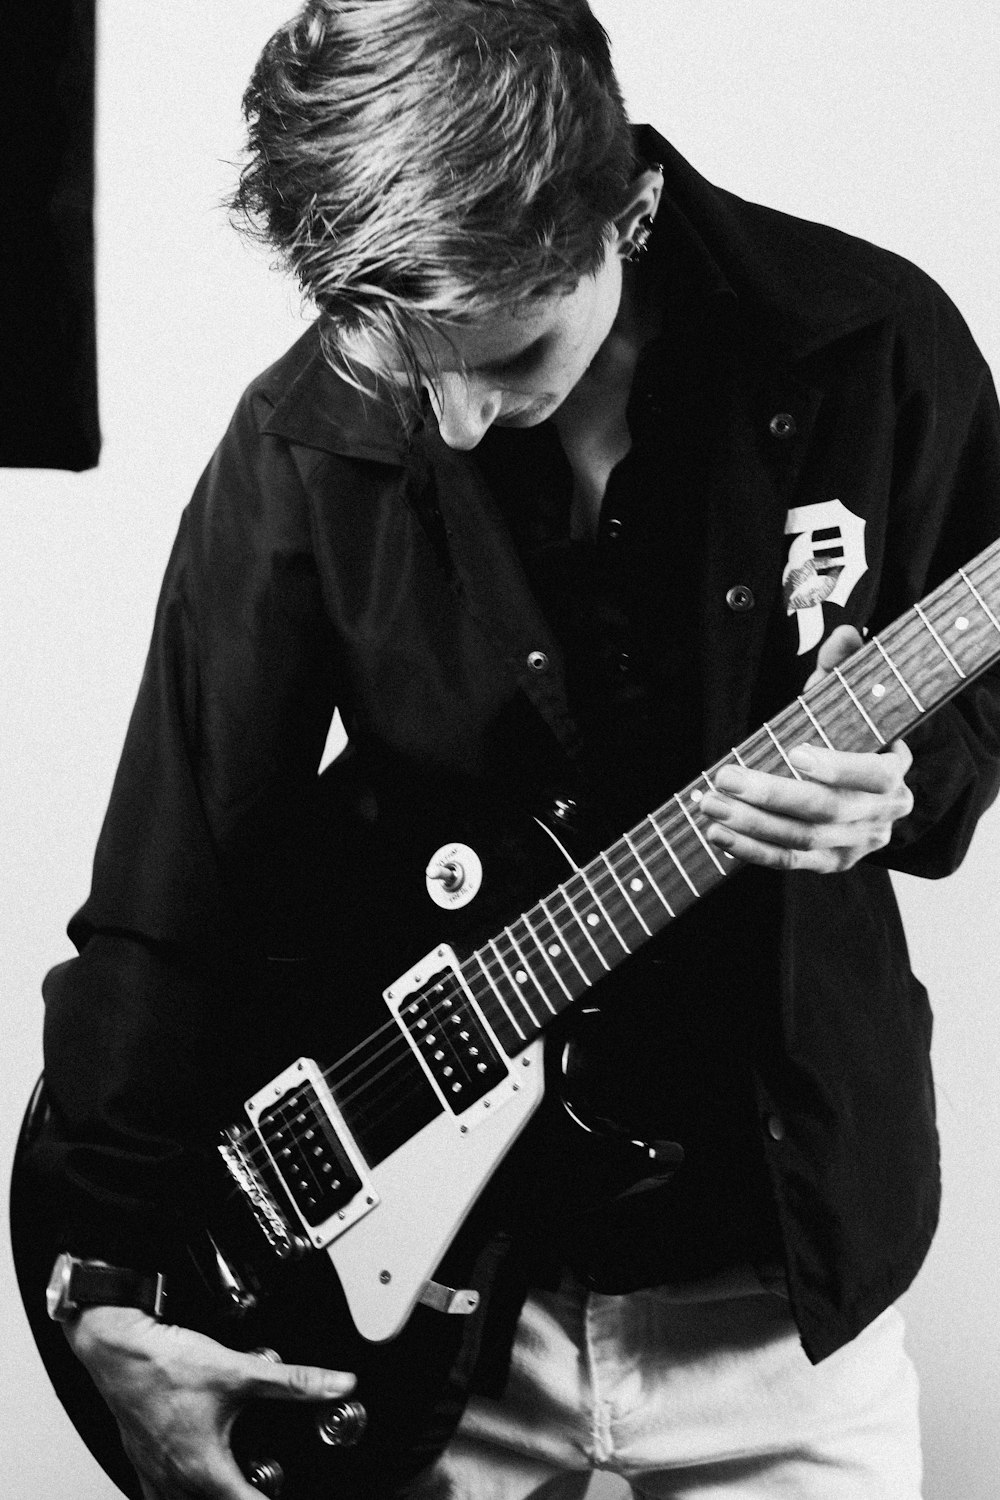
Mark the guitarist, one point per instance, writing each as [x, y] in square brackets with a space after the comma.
[584, 469]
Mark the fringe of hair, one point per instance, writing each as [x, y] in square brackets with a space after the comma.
[420, 164]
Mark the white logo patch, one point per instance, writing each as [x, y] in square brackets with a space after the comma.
[825, 561]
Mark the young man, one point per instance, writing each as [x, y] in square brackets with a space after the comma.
[555, 524]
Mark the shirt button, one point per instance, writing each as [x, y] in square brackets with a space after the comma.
[538, 661]
[783, 425]
[740, 599]
[624, 663]
[613, 528]
[776, 1127]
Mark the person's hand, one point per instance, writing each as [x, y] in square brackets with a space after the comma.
[175, 1395]
[843, 808]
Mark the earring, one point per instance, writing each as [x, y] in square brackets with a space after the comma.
[639, 243]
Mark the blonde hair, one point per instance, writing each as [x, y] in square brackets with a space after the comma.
[419, 164]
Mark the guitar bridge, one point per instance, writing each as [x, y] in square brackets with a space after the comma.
[312, 1152]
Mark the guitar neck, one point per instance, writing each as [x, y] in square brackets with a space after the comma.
[526, 975]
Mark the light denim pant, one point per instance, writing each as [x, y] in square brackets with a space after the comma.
[696, 1391]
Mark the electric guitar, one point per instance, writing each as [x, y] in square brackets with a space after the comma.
[343, 1188]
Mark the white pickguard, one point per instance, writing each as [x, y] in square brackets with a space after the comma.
[426, 1189]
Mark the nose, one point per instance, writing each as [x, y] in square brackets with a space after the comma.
[465, 408]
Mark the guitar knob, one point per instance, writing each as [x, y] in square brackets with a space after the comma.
[342, 1425]
[268, 1476]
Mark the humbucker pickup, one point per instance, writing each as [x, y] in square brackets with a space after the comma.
[309, 1146]
[450, 1036]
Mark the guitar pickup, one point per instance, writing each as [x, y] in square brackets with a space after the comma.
[314, 1155]
[451, 1038]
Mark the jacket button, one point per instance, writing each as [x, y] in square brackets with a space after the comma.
[538, 661]
[783, 425]
[776, 1127]
[613, 528]
[740, 598]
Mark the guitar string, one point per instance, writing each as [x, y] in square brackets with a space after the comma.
[909, 630]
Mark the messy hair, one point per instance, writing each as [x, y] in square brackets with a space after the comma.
[420, 164]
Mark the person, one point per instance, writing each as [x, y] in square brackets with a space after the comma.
[585, 468]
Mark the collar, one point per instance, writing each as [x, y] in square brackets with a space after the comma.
[798, 285]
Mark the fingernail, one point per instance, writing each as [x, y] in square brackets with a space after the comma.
[337, 1385]
[802, 756]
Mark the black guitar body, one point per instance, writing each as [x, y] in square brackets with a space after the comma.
[410, 1386]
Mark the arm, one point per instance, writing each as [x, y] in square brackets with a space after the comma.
[153, 1029]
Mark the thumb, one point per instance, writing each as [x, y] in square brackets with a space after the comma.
[838, 646]
[271, 1380]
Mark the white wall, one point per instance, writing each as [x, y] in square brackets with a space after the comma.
[878, 117]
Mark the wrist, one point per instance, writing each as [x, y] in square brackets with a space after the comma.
[77, 1284]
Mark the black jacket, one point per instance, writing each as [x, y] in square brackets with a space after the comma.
[330, 559]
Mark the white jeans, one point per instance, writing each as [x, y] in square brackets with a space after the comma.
[698, 1391]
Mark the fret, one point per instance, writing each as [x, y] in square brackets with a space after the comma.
[621, 894]
[589, 911]
[550, 951]
[814, 722]
[496, 1020]
[681, 870]
[594, 925]
[781, 751]
[979, 599]
[526, 966]
[573, 935]
[515, 984]
[858, 704]
[898, 675]
[847, 726]
[963, 626]
[654, 885]
[920, 613]
[701, 837]
[642, 893]
[585, 929]
[759, 754]
[879, 692]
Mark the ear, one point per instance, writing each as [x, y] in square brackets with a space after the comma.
[632, 225]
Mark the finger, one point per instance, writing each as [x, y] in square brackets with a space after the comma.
[864, 822]
[823, 775]
[816, 857]
[271, 1381]
[849, 770]
[835, 650]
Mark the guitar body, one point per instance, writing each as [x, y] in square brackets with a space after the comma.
[354, 1303]
[350, 1228]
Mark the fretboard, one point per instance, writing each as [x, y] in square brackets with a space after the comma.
[526, 975]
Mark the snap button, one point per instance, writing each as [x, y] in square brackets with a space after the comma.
[538, 661]
[740, 598]
[564, 808]
[783, 425]
[613, 528]
[624, 663]
[776, 1127]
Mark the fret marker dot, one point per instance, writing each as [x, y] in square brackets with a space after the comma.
[696, 796]
[521, 977]
[554, 950]
[635, 884]
[878, 691]
[961, 623]
[593, 919]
